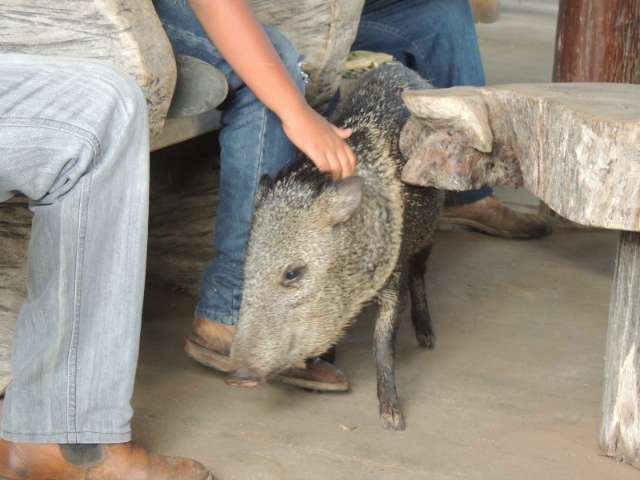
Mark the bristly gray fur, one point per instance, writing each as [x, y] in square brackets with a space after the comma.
[343, 264]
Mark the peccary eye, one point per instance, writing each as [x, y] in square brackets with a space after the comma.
[293, 275]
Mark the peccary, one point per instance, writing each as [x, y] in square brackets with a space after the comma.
[320, 250]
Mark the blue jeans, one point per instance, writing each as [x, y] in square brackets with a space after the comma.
[436, 38]
[252, 143]
[74, 140]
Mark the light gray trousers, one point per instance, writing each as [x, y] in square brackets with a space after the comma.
[74, 140]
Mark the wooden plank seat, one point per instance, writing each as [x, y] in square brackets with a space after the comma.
[576, 146]
[200, 89]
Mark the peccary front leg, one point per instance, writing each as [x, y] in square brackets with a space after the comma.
[419, 305]
[384, 350]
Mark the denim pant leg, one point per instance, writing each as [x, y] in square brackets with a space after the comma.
[252, 143]
[74, 139]
[436, 38]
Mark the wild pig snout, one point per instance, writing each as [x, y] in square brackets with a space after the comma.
[243, 378]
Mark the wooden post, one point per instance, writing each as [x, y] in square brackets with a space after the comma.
[620, 429]
[599, 41]
[596, 41]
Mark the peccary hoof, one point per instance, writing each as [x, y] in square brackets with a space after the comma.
[426, 340]
[392, 419]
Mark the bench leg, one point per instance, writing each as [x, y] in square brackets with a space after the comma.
[15, 227]
[620, 429]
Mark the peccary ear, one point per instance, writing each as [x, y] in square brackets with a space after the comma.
[340, 202]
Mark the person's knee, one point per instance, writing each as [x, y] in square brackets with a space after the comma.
[290, 56]
[118, 101]
[120, 120]
[125, 95]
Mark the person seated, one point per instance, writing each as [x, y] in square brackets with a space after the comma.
[265, 120]
[74, 140]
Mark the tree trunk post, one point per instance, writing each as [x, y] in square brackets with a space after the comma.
[596, 41]
[620, 428]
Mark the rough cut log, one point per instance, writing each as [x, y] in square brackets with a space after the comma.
[574, 146]
[184, 196]
[127, 33]
[596, 41]
[620, 428]
[15, 222]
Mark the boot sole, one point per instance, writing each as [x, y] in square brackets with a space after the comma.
[480, 227]
[314, 386]
[207, 357]
[222, 363]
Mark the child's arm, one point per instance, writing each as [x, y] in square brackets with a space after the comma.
[235, 31]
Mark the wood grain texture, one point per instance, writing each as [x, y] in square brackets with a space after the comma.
[126, 33]
[183, 205]
[15, 225]
[620, 428]
[595, 42]
[574, 146]
[598, 41]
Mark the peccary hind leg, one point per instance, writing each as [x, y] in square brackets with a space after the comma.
[384, 351]
[419, 305]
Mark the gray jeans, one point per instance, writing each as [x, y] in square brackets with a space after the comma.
[74, 140]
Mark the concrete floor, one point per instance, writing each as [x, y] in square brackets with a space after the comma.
[512, 390]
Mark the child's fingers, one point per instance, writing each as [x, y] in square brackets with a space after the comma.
[336, 167]
[343, 132]
[347, 167]
[352, 158]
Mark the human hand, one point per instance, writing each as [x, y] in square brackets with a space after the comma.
[321, 141]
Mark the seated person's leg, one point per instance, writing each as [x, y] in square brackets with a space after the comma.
[253, 144]
[437, 38]
[74, 139]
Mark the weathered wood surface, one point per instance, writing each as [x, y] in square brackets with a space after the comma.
[598, 41]
[574, 146]
[620, 428]
[127, 33]
[181, 218]
[15, 222]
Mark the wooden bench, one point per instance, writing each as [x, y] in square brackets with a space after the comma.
[577, 148]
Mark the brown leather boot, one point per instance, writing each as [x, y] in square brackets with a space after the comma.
[486, 11]
[28, 461]
[210, 344]
[492, 217]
